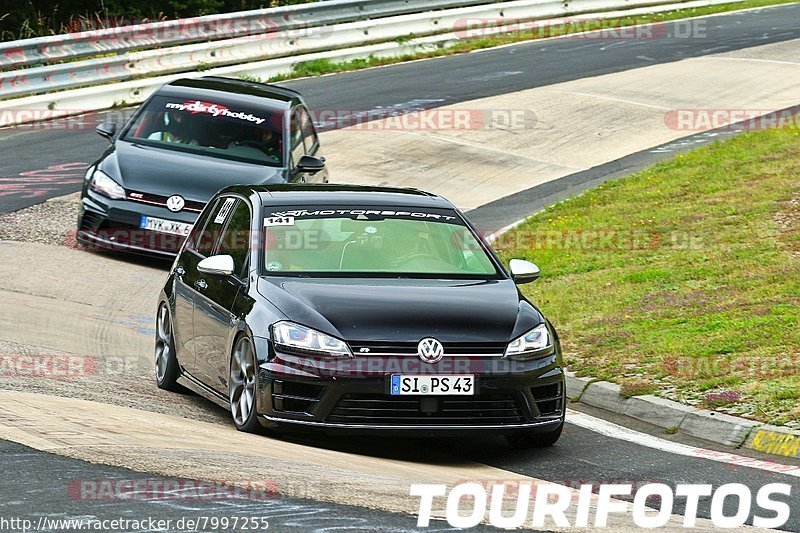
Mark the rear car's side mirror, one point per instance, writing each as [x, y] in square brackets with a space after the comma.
[216, 265]
[106, 129]
[523, 271]
[310, 164]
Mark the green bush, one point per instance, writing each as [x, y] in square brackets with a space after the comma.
[33, 18]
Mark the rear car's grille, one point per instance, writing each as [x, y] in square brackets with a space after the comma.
[548, 398]
[289, 397]
[155, 199]
[381, 409]
[410, 349]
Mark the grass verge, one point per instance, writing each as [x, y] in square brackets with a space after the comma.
[683, 280]
[326, 66]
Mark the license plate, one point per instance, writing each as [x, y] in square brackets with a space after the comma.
[405, 385]
[165, 226]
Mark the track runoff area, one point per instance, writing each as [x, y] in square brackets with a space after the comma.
[539, 504]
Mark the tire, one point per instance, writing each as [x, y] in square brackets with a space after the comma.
[535, 440]
[166, 363]
[242, 386]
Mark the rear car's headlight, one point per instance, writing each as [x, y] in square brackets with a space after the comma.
[297, 339]
[103, 184]
[535, 343]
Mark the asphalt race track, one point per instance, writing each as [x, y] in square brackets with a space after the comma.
[41, 163]
[32, 477]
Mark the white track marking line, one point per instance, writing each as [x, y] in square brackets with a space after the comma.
[615, 431]
[610, 99]
[463, 142]
[751, 59]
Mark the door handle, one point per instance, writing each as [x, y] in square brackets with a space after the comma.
[201, 284]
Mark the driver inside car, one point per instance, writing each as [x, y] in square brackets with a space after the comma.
[176, 130]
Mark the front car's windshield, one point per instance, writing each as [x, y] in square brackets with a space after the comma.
[210, 128]
[355, 242]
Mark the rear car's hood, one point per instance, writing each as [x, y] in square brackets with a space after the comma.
[403, 310]
[165, 172]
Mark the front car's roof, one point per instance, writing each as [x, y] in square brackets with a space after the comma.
[247, 92]
[339, 195]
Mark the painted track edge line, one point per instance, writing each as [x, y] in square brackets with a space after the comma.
[616, 431]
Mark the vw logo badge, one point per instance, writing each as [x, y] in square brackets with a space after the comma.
[175, 203]
[430, 350]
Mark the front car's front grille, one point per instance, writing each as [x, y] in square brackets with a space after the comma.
[381, 409]
[409, 349]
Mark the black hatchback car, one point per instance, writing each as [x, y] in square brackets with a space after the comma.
[190, 139]
[346, 308]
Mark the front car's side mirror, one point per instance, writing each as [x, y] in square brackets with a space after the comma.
[523, 271]
[107, 130]
[217, 265]
[310, 164]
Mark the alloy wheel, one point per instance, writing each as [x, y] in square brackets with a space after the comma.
[242, 382]
[163, 350]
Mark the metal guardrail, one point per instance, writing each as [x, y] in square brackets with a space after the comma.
[137, 65]
[71, 46]
[27, 95]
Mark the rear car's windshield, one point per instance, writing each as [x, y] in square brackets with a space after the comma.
[373, 242]
[210, 128]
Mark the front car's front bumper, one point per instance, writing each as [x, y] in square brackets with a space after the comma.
[353, 396]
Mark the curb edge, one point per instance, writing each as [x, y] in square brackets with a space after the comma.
[720, 428]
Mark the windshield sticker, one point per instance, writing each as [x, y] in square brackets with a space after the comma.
[213, 109]
[223, 212]
[278, 221]
[274, 266]
[300, 213]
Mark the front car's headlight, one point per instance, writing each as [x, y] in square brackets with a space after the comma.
[535, 343]
[301, 340]
[103, 184]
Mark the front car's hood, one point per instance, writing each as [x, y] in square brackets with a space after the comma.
[404, 310]
[166, 172]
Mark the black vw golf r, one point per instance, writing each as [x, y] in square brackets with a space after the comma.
[344, 308]
[191, 138]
